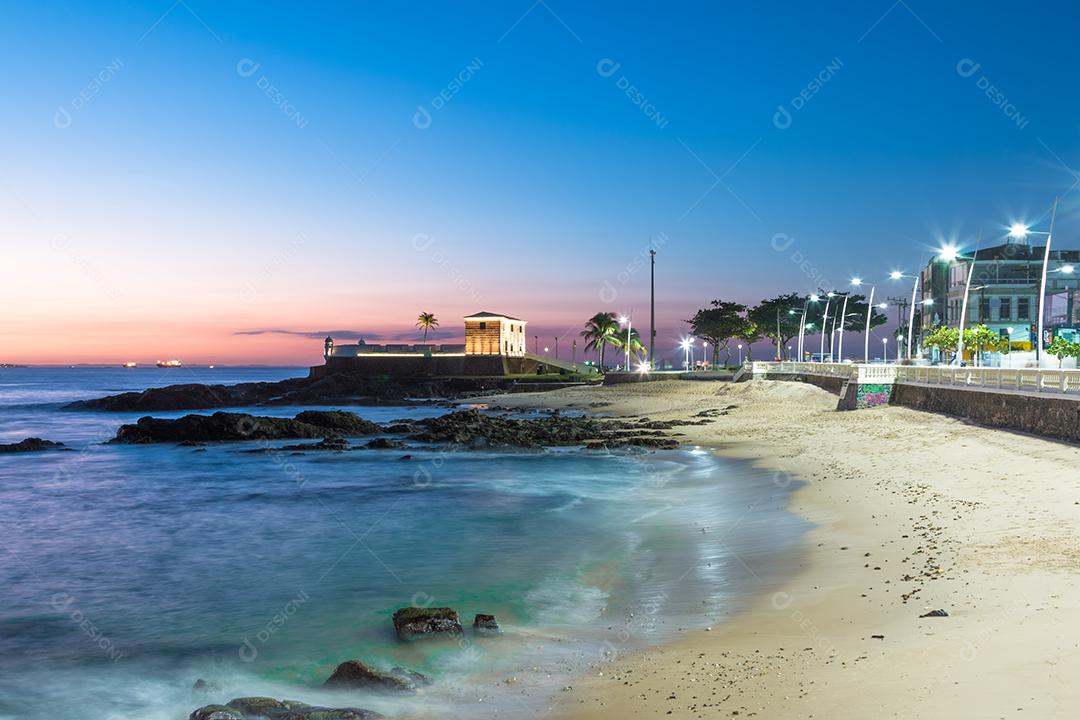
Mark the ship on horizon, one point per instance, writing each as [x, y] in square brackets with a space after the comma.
[169, 363]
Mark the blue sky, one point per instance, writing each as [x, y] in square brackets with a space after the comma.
[228, 167]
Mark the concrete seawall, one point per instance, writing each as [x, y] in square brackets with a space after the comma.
[1046, 415]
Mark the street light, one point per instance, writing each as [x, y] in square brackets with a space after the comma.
[885, 350]
[1021, 231]
[897, 275]
[857, 282]
[626, 320]
[685, 344]
[824, 323]
[740, 355]
[802, 322]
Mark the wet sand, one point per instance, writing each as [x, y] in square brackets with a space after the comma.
[913, 512]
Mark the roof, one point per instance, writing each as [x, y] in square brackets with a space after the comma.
[1024, 252]
[486, 314]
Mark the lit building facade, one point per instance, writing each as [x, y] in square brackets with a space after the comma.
[1004, 293]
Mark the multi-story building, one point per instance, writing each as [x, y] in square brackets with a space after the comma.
[1004, 293]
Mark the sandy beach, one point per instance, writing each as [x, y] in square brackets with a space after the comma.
[913, 512]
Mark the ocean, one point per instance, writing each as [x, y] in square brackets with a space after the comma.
[129, 571]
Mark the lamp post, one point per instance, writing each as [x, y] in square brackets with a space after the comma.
[740, 355]
[802, 322]
[1020, 231]
[627, 320]
[556, 347]
[843, 319]
[897, 275]
[857, 282]
[686, 354]
[885, 350]
[824, 323]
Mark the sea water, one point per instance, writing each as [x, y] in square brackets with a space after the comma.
[128, 572]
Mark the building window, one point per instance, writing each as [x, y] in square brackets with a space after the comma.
[984, 309]
[483, 326]
[1023, 309]
[1005, 310]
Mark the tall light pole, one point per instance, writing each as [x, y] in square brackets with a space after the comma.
[740, 355]
[686, 354]
[843, 319]
[963, 307]
[627, 320]
[869, 313]
[1020, 232]
[802, 322]
[556, 347]
[885, 350]
[897, 275]
[824, 324]
[652, 305]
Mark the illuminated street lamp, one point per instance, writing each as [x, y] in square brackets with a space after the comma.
[626, 320]
[824, 323]
[685, 344]
[897, 275]
[802, 322]
[885, 350]
[857, 282]
[1021, 231]
[740, 355]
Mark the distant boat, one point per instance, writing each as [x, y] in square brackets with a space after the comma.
[168, 363]
[130, 364]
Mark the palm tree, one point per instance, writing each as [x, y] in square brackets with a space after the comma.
[601, 330]
[427, 321]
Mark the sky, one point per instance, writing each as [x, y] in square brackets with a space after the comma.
[228, 182]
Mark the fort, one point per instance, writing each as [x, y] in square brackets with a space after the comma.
[495, 346]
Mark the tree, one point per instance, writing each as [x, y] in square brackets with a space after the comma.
[944, 338]
[718, 325]
[750, 334]
[600, 331]
[981, 338]
[1062, 348]
[779, 318]
[427, 321]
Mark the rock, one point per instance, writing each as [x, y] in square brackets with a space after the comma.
[205, 687]
[405, 457]
[346, 423]
[224, 426]
[413, 622]
[385, 444]
[485, 624]
[472, 428]
[935, 613]
[354, 674]
[262, 708]
[338, 444]
[216, 712]
[32, 444]
[417, 679]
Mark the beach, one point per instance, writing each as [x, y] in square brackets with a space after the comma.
[912, 513]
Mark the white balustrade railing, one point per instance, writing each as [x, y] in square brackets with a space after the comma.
[1041, 380]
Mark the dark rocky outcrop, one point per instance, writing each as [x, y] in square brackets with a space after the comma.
[385, 444]
[486, 624]
[262, 708]
[417, 679]
[354, 674]
[412, 622]
[346, 423]
[476, 429]
[341, 388]
[224, 426]
[32, 444]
